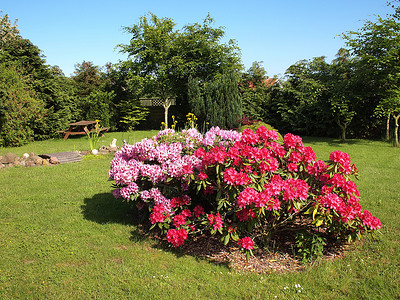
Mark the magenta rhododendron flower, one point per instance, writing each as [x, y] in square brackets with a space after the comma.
[177, 237]
[246, 243]
[198, 211]
[215, 221]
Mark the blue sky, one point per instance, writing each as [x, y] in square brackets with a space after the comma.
[279, 33]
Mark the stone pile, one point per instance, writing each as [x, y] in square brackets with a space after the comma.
[26, 160]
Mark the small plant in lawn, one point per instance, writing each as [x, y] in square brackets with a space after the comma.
[94, 136]
[245, 187]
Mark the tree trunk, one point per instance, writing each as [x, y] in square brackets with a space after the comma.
[387, 128]
[343, 127]
[396, 131]
[166, 105]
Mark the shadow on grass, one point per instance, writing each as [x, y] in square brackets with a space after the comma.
[340, 143]
[104, 209]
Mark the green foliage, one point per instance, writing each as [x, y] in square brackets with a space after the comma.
[162, 58]
[309, 246]
[20, 111]
[132, 113]
[217, 102]
[42, 256]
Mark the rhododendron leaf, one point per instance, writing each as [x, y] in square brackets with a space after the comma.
[234, 236]
[315, 211]
[319, 222]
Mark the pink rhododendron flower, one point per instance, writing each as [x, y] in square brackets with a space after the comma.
[292, 167]
[295, 189]
[293, 141]
[369, 220]
[246, 243]
[249, 137]
[179, 220]
[180, 201]
[177, 237]
[247, 197]
[317, 168]
[215, 220]
[245, 214]
[343, 159]
[198, 211]
[266, 134]
[203, 176]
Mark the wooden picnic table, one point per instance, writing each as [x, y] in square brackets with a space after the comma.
[81, 128]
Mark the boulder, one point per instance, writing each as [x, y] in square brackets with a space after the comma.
[45, 162]
[9, 158]
[29, 163]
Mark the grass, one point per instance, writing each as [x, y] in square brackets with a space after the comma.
[63, 235]
[77, 143]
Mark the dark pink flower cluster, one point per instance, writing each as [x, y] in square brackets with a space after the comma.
[343, 159]
[215, 221]
[246, 243]
[177, 237]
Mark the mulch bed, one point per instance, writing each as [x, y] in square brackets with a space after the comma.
[281, 259]
[263, 261]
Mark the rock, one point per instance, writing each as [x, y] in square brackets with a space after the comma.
[22, 163]
[37, 160]
[45, 162]
[29, 163]
[9, 158]
[95, 151]
[2, 166]
[54, 160]
[25, 155]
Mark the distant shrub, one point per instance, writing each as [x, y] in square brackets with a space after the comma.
[257, 124]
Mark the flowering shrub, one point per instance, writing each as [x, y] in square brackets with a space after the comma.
[244, 186]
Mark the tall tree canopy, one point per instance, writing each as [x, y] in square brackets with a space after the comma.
[161, 58]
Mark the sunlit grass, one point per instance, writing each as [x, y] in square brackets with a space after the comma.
[63, 235]
[78, 143]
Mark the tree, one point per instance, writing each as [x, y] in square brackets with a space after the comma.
[254, 91]
[20, 110]
[392, 105]
[342, 90]
[152, 56]
[377, 46]
[163, 58]
[217, 102]
[94, 101]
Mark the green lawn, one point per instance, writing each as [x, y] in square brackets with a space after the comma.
[64, 236]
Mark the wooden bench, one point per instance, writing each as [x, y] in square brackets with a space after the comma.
[81, 128]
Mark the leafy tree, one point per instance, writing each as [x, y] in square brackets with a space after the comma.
[163, 58]
[254, 91]
[343, 94]
[20, 110]
[377, 46]
[94, 101]
[48, 84]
